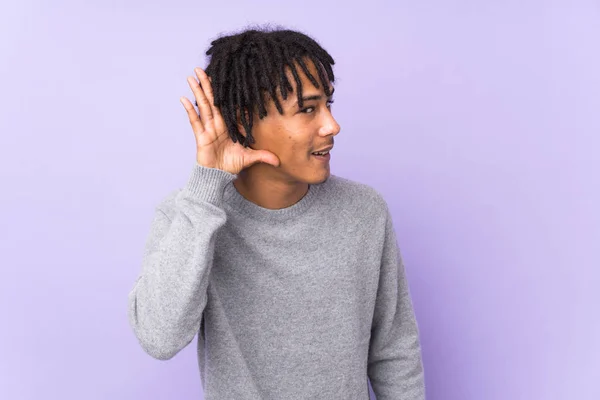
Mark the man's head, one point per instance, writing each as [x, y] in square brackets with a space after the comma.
[274, 91]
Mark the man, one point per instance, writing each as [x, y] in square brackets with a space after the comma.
[291, 276]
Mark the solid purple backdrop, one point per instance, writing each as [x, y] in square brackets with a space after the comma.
[478, 122]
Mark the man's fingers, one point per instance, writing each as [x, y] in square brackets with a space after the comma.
[204, 108]
[208, 90]
[206, 103]
[197, 125]
[206, 83]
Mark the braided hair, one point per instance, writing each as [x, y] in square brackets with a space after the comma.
[246, 67]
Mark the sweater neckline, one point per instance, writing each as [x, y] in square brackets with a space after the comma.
[244, 206]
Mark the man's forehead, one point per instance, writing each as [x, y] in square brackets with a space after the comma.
[308, 88]
[309, 92]
[310, 66]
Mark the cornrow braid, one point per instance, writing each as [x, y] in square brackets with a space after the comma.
[249, 67]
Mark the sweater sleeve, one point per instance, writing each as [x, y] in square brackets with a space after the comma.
[395, 366]
[169, 296]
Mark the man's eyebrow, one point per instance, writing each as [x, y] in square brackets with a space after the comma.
[314, 97]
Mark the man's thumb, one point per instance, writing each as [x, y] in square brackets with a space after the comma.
[266, 157]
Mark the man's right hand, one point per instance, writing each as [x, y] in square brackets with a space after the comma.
[214, 147]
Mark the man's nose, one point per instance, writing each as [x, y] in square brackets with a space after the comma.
[330, 127]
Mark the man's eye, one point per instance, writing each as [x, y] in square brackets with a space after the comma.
[309, 110]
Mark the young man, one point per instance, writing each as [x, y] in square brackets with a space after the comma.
[291, 276]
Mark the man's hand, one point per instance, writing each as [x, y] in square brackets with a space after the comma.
[215, 149]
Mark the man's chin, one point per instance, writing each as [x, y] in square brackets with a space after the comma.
[312, 177]
[323, 178]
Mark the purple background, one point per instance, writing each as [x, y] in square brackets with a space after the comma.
[478, 121]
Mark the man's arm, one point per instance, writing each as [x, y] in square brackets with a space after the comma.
[167, 301]
[395, 366]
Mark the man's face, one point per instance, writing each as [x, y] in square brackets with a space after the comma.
[299, 132]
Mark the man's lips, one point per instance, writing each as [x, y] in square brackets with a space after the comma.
[325, 149]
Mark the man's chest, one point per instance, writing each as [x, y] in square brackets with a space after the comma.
[309, 269]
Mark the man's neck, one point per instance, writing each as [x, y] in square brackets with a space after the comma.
[268, 192]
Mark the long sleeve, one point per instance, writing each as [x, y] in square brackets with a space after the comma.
[169, 296]
[395, 366]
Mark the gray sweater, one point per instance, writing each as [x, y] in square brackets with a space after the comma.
[305, 302]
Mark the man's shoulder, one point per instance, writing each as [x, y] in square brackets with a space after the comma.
[346, 193]
[168, 202]
[356, 194]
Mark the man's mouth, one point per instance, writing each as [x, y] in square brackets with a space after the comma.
[323, 151]
[322, 155]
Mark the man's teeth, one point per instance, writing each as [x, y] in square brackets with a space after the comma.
[321, 153]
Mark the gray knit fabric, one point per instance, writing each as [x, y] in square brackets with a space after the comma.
[306, 302]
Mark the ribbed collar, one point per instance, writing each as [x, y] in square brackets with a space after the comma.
[240, 204]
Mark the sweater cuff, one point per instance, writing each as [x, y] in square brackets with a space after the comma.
[208, 184]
